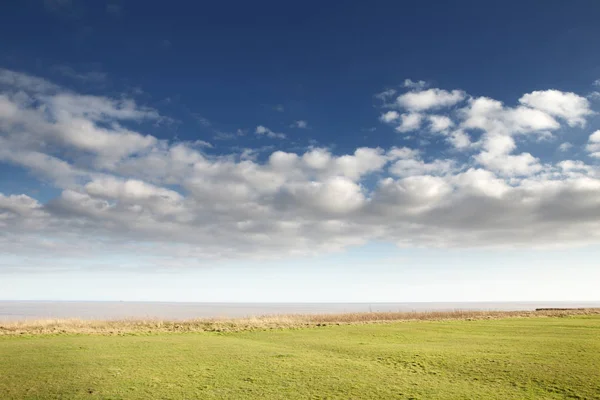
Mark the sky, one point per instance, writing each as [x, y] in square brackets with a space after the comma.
[262, 151]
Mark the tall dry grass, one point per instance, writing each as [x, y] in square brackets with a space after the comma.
[137, 326]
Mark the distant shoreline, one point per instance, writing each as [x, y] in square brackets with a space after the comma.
[111, 310]
[266, 322]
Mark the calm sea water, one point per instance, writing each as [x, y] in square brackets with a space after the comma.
[20, 310]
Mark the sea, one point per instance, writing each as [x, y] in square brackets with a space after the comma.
[110, 310]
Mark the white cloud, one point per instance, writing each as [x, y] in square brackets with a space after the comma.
[389, 116]
[500, 125]
[595, 95]
[496, 157]
[396, 153]
[593, 146]
[44, 166]
[318, 159]
[19, 206]
[336, 195]
[440, 123]
[459, 140]
[430, 99]
[410, 122]
[595, 137]
[567, 166]
[321, 163]
[523, 164]
[364, 161]
[414, 166]
[565, 105]
[492, 116]
[25, 82]
[596, 82]
[263, 130]
[202, 143]
[95, 108]
[113, 143]
[408, 83]
[132, 189]
[126, 191]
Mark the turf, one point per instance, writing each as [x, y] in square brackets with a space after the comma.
[513, 358]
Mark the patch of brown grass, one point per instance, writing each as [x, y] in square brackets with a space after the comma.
[265, 322]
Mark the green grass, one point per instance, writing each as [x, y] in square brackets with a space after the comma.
[513, 358]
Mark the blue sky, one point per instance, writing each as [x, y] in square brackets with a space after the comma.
[264, 151]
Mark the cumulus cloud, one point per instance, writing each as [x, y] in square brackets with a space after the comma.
[492, 116]
[568, 106]
[263, 130]
[19, 206]
[202, 143]
[37, 120]
[389, 116]
[409, 83]
[501, 125]
[430, 99]
[415, 166]
[510, 165]
[593, 146]
[409, 122]
[121, 190]
[337, 195]
[440, 123]
[21, 81]
[459, 140]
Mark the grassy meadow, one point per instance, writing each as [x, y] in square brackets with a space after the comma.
[466, 356]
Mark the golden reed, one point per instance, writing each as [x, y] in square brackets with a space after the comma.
[265, 322]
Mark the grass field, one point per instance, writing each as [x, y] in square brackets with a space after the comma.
[505, 358]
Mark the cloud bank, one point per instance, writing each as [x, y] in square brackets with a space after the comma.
[122, 190]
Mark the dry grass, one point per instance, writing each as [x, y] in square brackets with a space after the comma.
[149, 326]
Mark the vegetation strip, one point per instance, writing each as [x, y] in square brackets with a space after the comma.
[266, 322]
